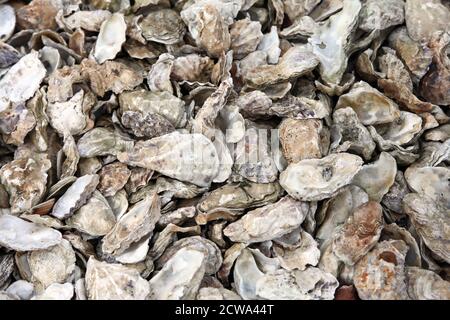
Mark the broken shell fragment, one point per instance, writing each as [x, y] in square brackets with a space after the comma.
[318, 179]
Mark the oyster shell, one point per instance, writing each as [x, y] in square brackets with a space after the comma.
[425, 17]
[303, 139]
[76, 196]
[163, 26]
[349, 134]
[8, 22]
[318, 179]
[331, 42]
[359, 233]
[426, 285]
[21, 81]
[377, 178]
[380, 275]
[22, 289]
[265, 223]
[245, 36]
[172, 155]
[19, 235]
[52, 265]
[137, 223]
[107, 281]
[25, 181]
[371, 106]
[56, 291]
[87, 20]
[180, 277]
[113, 177]
[94, 218]
[380, 15]
[110, 38]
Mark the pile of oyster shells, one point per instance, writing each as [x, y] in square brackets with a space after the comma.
[225, 149]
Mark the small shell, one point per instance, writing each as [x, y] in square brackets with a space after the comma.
[87, 20]
[19, 235]
[318, 179]
[403, 130]
[105, 281]
[265, 223]
[370, 105]
[22, 289]
[110, 38]
[76, 196]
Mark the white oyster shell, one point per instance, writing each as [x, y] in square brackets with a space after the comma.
[318, 179]
[107, 281]
[22, 80]
[110, 38]
[378, 177]
[180, 277]
[7, 22]
[19, 235]
[22, 289]
[76, 196]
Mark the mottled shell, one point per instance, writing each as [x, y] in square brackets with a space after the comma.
[318, 179]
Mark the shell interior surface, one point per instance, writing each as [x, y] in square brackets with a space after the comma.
[225, 150]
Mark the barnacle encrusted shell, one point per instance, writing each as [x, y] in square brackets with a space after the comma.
[318, 179]
[19, 235]
[107, 281]
[371, 106]
[186, 157]
[269, 222]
